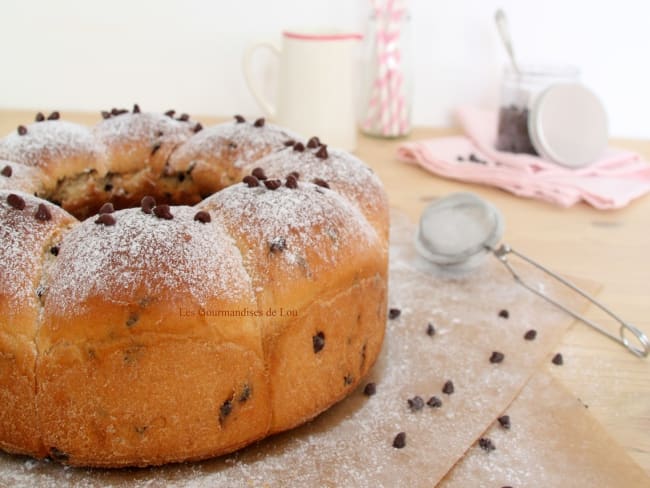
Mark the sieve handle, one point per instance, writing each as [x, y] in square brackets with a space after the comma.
[502, 252]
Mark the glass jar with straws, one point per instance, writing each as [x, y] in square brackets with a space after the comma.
[386, 78]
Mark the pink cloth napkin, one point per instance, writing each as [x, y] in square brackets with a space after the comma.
[611, 182]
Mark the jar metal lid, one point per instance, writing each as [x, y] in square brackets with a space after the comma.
[568, 125]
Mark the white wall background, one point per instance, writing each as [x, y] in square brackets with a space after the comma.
[82, 55]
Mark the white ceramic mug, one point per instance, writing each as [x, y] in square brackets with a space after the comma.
[317, 84]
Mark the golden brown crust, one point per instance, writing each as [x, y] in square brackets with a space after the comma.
[305, 382]
[26, 247]
[147, 338]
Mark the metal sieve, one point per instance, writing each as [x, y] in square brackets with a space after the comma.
[458, 231]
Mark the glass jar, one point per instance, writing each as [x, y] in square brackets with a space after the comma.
[518, 94]
[386, 81]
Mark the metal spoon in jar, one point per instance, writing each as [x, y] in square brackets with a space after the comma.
[504, 32]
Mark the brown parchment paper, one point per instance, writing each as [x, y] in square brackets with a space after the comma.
[553, 440]
[351, 444]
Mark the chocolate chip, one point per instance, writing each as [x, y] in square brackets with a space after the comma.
[486, 444]
[278, 244]
[313, 143]
[259, 122]
[39, 117]
[105, 114]
[43, 213]
[155, 148]
[184, 117]
[416, 403]
[504, 421]
[7, 171]
[431, 330]
[530, 335]
[225, 410]
[322, 152]
[108, 187]
[318, 341]
[170, 113]
[400, 440]
[558, 360]
[321, 182]
[448, 387]
[291, 182]
[54, 116]
[136, 108]
[54, 250]
[40, 291]
[258, 173]
[203, 217]
[290, 142]
[163, 212]
[58, 455]
[504, 314]
[295, 174]
[180, 177]
[240, 119]
[107, 208]
[393, 313]
[370, 389]
[22, 130]
[147, 204]
[272, 184]
[245, 394]
[496, 357]
[119, 111]
[251, 181]
[460, 158]
[434, 402]
[132, 320]
[197, 127]
[106, 219]
[15, 201]
[299, 146]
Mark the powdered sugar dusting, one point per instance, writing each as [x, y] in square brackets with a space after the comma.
[24, 178]
[241, 143]
[23, 239]
[48, 140]
[342, 171]
[119, 132]
[142, 251]
[309, 218]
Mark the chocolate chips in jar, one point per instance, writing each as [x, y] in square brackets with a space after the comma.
[513, 131]
[519, 92]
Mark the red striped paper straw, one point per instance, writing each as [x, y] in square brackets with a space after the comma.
[387, 110]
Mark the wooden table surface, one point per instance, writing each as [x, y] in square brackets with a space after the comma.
[609, 247]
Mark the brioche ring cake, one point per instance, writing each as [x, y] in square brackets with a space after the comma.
[173, 293]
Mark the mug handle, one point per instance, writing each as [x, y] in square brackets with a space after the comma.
[266, 106]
